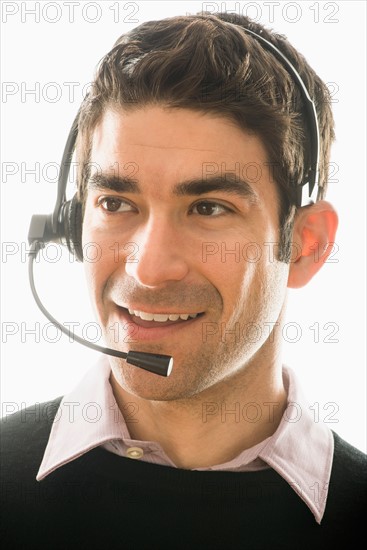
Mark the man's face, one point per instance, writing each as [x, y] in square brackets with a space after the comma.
[174, 235]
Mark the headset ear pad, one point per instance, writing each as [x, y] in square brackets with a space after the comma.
[73, 229]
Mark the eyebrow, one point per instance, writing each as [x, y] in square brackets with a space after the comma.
[227, 182]
[100, 182]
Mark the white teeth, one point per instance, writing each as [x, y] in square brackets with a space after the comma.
[145, 316]
[174, 317]
[162, 317]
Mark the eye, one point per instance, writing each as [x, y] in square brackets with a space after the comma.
[113, 204]
[207, 208]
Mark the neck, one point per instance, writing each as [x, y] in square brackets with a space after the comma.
[213, 427]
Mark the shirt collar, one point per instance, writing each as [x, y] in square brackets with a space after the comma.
[300, 450]
[87, 417]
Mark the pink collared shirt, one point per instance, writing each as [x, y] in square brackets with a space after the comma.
[300, 450]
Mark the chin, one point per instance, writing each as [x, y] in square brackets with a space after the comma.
[146, 385]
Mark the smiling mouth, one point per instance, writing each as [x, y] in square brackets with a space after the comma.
[156, 320]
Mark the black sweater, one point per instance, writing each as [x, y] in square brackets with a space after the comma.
[102, 500]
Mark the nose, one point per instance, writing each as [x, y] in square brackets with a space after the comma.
[160, 255]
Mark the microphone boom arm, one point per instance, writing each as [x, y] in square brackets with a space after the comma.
[155, 363]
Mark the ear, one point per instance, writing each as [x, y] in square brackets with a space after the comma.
[313, 238]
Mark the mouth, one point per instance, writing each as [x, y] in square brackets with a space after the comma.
[166, 318]
[144, 325]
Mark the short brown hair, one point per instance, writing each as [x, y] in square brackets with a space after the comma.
[202, 63]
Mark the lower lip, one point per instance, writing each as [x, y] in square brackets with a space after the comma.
[136, 333]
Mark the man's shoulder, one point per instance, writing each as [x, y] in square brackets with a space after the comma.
[352, 461]
[24, 434]
[38, 414]
[348, 481]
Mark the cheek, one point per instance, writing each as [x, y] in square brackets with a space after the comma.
[94, 280]
[251, 281]
[96, 259]
[226, 266]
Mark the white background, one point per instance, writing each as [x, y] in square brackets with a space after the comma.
[34, 130]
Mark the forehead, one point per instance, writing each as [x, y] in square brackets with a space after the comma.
[167, 128]
[168, 145]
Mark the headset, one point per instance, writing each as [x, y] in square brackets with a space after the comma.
[64, 225]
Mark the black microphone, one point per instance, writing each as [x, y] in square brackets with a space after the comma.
[152, 362]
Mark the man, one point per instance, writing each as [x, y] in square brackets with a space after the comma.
[200, 136]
